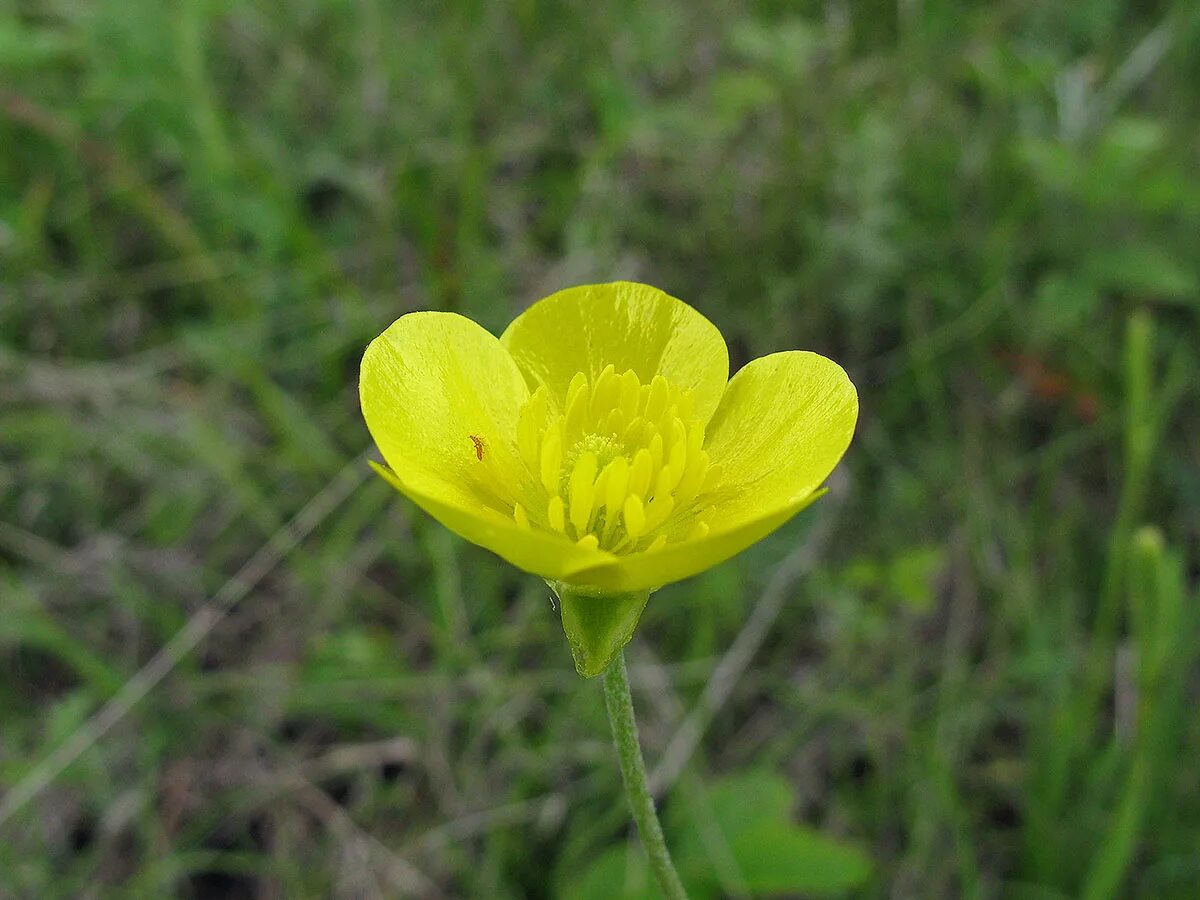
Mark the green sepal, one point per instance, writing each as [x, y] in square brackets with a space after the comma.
[598, 623]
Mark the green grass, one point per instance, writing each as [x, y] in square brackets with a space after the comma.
[987, 212]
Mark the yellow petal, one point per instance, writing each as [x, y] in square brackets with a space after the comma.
[635, 517]
[785, 421]
[551, 556]
[630, 326]
[783, 424]
[438, 392]
[683, 559]
[428, 384]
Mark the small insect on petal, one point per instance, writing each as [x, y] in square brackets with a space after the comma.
[478, 442]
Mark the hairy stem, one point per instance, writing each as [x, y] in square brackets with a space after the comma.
[633, 773]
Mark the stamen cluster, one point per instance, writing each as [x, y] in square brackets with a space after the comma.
[620, 467]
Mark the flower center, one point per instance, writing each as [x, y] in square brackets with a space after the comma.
[620, 466]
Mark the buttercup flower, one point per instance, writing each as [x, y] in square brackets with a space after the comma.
[599, 442]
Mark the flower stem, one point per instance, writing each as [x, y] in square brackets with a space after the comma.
[633, 773]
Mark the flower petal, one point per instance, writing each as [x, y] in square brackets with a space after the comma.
[675, 562]
[783, 424]
[626, 325]
[441, 397]
[552, 556]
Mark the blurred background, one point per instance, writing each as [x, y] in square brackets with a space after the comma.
[969, 672]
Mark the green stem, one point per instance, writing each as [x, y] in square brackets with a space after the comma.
[633, 773]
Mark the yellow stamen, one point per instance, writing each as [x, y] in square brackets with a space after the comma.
[634, 431]
[615, 423]
[616, 461]
[677, 464]
[663, 484]
[576, 414]
[640, 473]
[530, 423]
[617, 483]
[693, 477]
[656, 403]
[658, 509]
[631, 389]
[581, 490]
[713, 477]
[556, 513]
[678, 442]
[551, 461]
[604, 395]
[577, 385]
[635, 516]
[656, 454]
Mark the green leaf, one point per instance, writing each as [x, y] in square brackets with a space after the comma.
[618, 874]
[911, 576]
[1144, 270]
[26, 624]
[1063, 303]
[597, 624]
[745, 821]
[1132, 140]
[736, 803]
[779, 860]
[23, 47]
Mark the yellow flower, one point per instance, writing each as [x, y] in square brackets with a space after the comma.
[599, 442]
